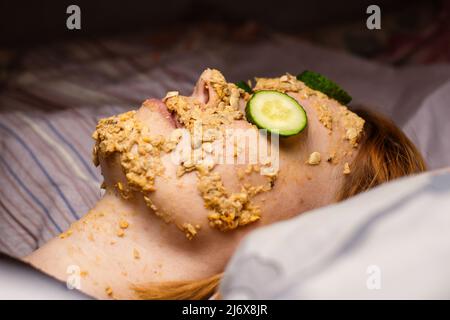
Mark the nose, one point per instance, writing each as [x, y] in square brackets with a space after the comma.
[204, 89]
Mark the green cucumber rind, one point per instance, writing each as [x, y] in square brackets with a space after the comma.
[244, 86]
[250, 118]
[321, 83]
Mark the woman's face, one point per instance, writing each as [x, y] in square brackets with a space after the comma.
[214, 196]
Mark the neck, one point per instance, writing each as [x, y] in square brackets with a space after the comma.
[118, 244]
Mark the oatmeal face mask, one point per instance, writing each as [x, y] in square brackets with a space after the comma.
[214, 106]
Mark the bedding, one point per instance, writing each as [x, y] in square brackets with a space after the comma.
[20, 281]
[388, 243]
[49, 108]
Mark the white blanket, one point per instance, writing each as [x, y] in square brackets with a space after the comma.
[392, 242]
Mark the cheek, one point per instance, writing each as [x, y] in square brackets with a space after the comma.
[298, 188]
[289, 197]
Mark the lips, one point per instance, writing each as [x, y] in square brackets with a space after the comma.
[162, 109]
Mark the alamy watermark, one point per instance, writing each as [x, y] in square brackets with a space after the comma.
[73, 277]
[228, 146]
[373, 22]
[73, 21]
[373, 281]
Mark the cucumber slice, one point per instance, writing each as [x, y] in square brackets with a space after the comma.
[321, 83]
[276, 112]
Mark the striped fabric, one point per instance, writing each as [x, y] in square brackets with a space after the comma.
[48, 113]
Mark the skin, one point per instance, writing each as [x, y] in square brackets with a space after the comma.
[151, 250]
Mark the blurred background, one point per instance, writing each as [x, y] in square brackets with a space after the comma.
[412, 31]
